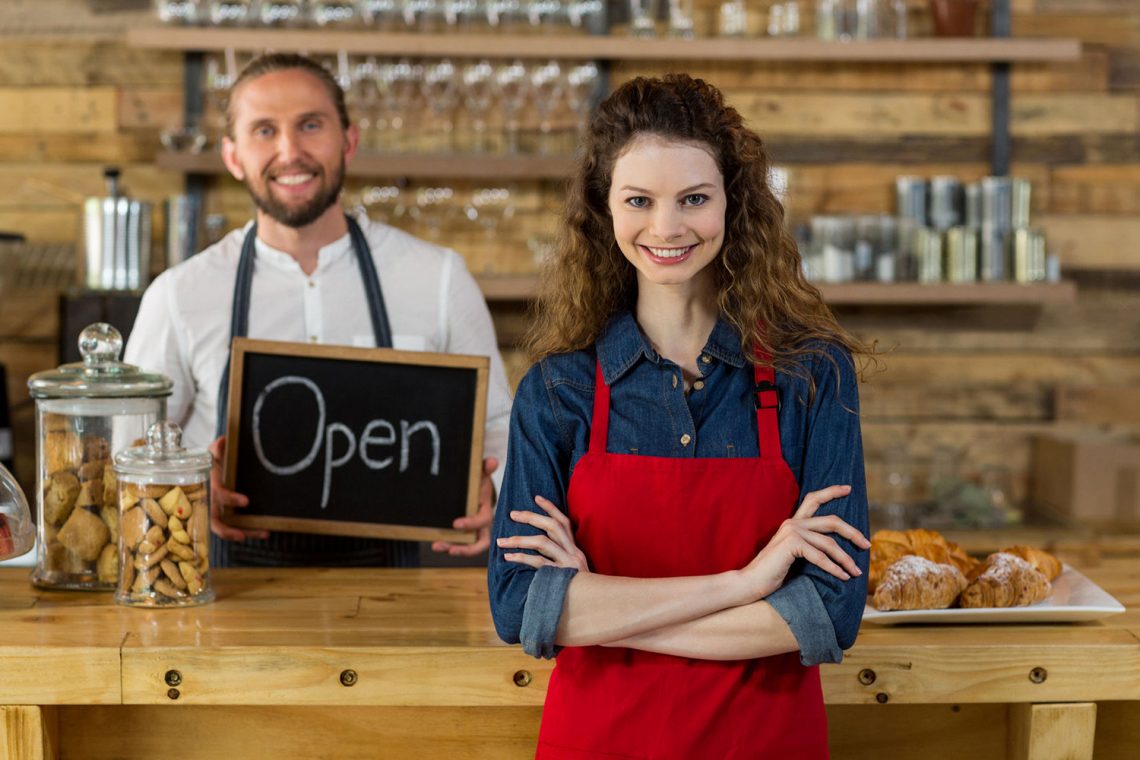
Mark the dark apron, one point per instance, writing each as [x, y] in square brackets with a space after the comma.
[307, 549]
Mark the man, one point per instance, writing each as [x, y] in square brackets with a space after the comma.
[303, 271]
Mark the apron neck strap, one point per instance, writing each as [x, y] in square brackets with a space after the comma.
[243, 287]
[767, 399]
[600, 426]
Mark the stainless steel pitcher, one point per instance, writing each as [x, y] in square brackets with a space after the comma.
[116, 237]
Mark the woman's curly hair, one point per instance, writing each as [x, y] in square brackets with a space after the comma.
[759, 279]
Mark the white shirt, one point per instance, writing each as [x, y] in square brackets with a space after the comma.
[433, 304]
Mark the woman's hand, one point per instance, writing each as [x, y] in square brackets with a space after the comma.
[555, 549]
[804, 536]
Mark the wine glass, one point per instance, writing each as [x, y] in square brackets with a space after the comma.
[488, 207]
[511, 84]
[581, 84]
[185, 12]
[478, 91]
[281, 13]
[546, 92]
[434, 206]
[397, 83]
[332, 13]
[380, 14]
[440, 90]
[383, 203]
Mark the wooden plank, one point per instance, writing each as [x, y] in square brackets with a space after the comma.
[1099, 405]
[58, 187]
[50, 18]
[1033, 115]
[26, 733]
[434, 677]
[606, 46]
[150, 108]
[314, 733]
[86, 63]
[57, 109]
[1093, 242]
[37, 675]
[1089, 74]
[916, 732]
[1077, 149]
[1120, 29]
[1052, 732]
[1117, 730]
[1023, 401]
[1095, 189]
[106, 148]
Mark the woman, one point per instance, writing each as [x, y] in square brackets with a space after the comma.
[684, 506]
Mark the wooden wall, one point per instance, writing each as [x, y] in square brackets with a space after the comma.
[985, 380]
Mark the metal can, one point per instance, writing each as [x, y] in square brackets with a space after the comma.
[1019, 200]
[910, 195]
[1028, 255]
[973, 204]
[961, 247]
[945, 202]
[993, 254]
[997, 202]
[928, 254]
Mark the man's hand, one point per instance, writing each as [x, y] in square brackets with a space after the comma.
[223, 498]
[480, 522]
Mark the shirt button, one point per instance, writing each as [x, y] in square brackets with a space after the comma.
[706, 359]
[674, 381]
[685, 439]
[312, 284]
[698, 385]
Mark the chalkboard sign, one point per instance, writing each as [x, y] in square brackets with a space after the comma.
[355, 441]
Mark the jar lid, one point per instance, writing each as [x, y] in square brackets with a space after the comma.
[162, 454]
[100, 374]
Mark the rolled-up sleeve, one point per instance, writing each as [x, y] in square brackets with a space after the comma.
[832, 455]
[526, 606]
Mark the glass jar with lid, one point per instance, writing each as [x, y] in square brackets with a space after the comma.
[85, 413]
[164, 516]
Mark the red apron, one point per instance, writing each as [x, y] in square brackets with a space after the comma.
[656, 517]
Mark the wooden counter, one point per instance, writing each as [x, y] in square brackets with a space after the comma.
[309, 663]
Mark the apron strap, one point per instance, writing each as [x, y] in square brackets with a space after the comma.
[600, 425]
[243, 286]
[767, 412]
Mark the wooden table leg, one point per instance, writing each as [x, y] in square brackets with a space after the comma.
[28, 732]
[1063, 731]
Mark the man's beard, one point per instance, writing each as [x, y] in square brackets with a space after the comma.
[298, 216]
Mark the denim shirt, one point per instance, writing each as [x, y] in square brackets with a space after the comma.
[650, 412]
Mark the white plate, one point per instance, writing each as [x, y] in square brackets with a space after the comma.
[1074, 598]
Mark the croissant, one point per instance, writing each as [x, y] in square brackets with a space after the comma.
[889, 545]
[1041, 560]
[915, 583]
[1005, 581]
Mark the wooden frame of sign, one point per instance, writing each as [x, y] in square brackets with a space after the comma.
[255, 423]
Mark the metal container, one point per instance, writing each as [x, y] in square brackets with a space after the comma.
[1028, 255]
[164, 516]
[928, 254]
[1019, 200]
[910, 198]
[961, 249]
[183, 220]
[85, 414]
[116, 239]
[973, 205]
[993, 254]
[945, 202]
[997, 202]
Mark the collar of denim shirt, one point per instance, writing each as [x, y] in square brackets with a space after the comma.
[622, 344]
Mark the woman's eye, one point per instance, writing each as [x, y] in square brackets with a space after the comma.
[638, 201]
[696, 199]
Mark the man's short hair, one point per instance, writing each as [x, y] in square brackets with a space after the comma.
[270, 62]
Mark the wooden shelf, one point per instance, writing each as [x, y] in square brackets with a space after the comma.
[608, 47]
[427, 165]
[523, 287]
